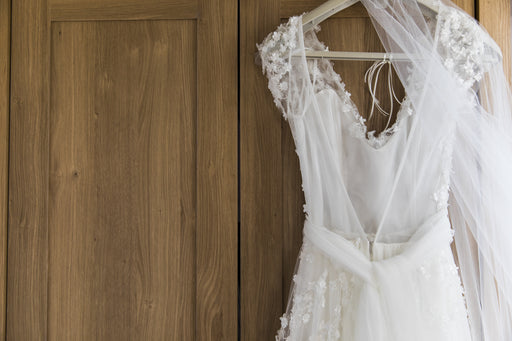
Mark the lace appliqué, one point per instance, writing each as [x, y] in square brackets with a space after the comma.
[321, 72]
[275, 51]
[359, 128]
[441, 194]
[442, 272]
[469, 51]
[310, 294]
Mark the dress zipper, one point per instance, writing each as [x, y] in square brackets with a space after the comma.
[371, 240]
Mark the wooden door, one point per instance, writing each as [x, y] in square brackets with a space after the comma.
[118, 164]
[271, 195]
[123, 170]
[5, 53]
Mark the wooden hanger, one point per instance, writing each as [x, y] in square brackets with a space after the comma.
[329, 8]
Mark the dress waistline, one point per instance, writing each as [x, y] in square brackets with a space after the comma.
[389, 285]
[428, 238]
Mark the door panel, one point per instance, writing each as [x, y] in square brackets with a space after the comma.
[123, 194]
[5, 53]
[72, 10]
[122, 163]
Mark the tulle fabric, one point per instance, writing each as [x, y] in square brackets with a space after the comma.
[342, 292]
[449, 154]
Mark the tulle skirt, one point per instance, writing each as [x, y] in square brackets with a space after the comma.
[325, 300]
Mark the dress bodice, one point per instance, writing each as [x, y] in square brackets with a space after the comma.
[349, 174]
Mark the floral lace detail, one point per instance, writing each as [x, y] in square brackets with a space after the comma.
[311, 294]
[441, 194]
[467, 48]
[325, 297]
[469, 51]
[359, 128]
[443, 273]
[321, 72]
[275, 51]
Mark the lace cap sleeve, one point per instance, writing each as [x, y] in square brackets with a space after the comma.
[275, 55]
[468, 50]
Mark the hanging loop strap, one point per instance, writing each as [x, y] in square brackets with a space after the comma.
[371, 77]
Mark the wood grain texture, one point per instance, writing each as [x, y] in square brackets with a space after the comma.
[123, 204]
[122, 181]
[5, 52]
[261, 182]
[271, 196]
[494, 15]
[28, 173]
[73, 10]
[217, 173]
[466, 5]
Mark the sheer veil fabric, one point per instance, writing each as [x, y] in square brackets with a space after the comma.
[382, 211]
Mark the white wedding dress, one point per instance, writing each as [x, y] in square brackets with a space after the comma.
[376, 252]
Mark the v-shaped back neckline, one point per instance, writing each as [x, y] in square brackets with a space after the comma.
[344, 95]
[356, 115]
[350, 203]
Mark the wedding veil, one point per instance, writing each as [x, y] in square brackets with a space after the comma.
[464, 93]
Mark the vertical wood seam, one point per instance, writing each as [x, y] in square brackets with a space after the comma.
[239, 200]
[6, 140]
[48, 56]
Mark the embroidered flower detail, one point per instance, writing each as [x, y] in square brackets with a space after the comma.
[284, 321]
[441, 194]
[275, 51]
[359, 129]
[443, 275]
[467, 49]
[330, 290]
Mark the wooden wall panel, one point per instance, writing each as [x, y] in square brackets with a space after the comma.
[123, 206]
[72, 10]
[466, 5]
[122, 181]
[5, 44]
[217, 173]
[262, 134]
[271, 197]
[494, 15]
[27, 278]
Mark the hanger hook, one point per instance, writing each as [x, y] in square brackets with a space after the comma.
[388, 58]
